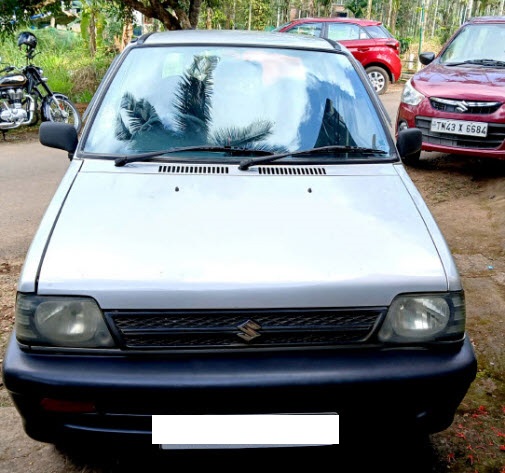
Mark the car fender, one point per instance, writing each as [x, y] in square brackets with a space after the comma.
[29, 273]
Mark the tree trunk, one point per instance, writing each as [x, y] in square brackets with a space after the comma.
[394, 15]
[92, 34]
[250, 15]
[194, 11]
[127, 33]
[227, 11]
[470, 10]
[174, 14]
[311, 8]
[433, 26]
[208, 22]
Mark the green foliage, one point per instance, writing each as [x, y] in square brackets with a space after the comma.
[16, 13]
[235, 15]
[115, 18]
[405, 43]
[358, 8]
[65, 59]
[444, 33]
[85, 17]
[261, 13]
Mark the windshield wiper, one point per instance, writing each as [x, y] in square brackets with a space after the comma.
[225, 149]
[478, 62]
[336, 149]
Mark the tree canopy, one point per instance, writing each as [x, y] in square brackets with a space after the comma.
[404, 18]
[173, 14]
[18, 12]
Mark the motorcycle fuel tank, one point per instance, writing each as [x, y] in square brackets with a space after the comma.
[13, 80]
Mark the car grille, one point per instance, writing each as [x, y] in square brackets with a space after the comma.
[242, 329]
[462, 106]
[494, 138]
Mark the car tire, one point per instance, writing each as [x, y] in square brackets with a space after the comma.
[379, 79]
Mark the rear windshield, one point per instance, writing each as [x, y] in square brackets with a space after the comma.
[280, 100]
[378, 31]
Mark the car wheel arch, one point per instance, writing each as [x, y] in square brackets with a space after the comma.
[379, 78]
[382, 66]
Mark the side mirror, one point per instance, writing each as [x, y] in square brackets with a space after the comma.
[409, 143]
[59, 135]
[426, 58]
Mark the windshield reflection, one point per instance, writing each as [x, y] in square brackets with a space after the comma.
[476, 42]
[250, 98]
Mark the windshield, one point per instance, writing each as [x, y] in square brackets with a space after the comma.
[260, 99]
[478, 41]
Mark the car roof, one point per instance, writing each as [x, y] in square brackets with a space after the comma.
[235, 37]
[339, 19]
[487, 19]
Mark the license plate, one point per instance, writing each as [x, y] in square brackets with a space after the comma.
[180, 432]
[459, 127]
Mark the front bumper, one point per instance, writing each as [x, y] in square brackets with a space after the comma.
[421, 388]
[420, 116]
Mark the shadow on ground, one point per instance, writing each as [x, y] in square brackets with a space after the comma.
[371, 454]
[463, 165]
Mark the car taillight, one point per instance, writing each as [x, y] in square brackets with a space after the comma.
[61, 405]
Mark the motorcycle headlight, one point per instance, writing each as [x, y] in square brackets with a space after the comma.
[61, 322]
[411, 96]
[424, 318]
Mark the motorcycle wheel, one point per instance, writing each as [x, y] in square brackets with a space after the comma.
[59, 108]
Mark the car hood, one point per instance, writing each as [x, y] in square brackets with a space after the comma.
[135, 237]
[461, 82]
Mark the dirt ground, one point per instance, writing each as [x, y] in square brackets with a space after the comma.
[467, 198]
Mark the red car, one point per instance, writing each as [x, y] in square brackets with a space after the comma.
[458, 99]
[368, 41]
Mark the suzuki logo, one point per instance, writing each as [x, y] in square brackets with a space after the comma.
[248, 330]
[462, 107]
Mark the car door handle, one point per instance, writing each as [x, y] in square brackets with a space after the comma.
[363, 49]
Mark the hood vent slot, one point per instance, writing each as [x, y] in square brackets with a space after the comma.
[193, 169]
[292, 171]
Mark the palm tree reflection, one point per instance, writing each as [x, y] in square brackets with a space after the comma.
[139, 123]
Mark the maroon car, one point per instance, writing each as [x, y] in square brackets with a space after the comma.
[368, 41]
[458, 99]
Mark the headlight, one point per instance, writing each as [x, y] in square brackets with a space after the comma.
[424, 318]
[411, 96]
[61, 321]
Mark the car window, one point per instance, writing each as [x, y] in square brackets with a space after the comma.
[378, 31]
[343, 31]
[269, 99]
[479, 41]
[312, 29]
[280, 27]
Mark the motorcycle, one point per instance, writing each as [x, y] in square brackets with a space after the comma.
[25, 95]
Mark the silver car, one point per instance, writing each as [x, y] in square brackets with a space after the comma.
[235, 234]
